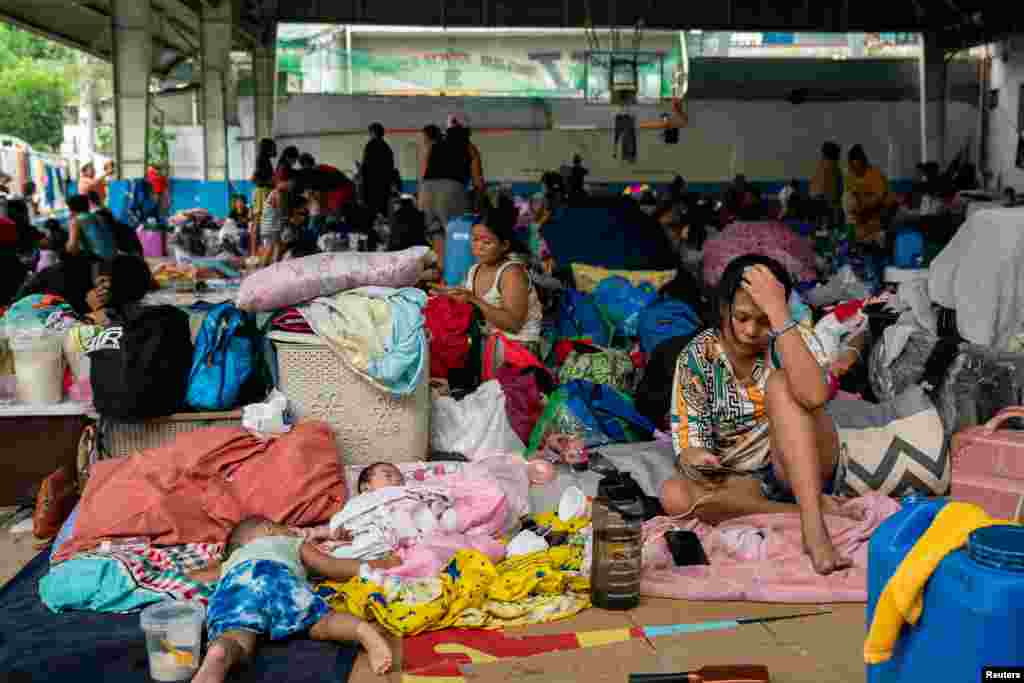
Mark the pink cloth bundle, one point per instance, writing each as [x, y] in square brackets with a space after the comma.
[760, 558]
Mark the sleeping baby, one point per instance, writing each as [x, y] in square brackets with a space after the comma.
[392, 516]
[385, 514]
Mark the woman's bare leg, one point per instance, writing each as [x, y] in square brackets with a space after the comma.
[735, 497]
[804, 451]
[225, 653]
[340, 627]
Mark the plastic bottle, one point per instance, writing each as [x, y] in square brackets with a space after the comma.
[618, 546]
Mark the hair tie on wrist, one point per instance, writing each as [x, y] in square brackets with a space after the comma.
[833, 384]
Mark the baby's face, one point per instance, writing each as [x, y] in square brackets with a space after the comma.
[384, 476]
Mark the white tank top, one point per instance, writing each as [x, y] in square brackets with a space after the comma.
[531, 331]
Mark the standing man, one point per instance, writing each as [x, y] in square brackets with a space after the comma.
[378, 171]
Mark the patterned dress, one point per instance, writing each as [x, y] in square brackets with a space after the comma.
[713, 410]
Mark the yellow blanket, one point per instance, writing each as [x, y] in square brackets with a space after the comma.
[471, 593]
[901, 601]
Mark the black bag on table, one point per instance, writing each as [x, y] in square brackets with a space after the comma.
[140, 368]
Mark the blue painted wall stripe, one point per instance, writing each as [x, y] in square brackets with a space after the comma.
[213, 196]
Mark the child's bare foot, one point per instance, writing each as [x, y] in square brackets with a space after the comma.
[377, 648]
[818, 545]
[216, 664]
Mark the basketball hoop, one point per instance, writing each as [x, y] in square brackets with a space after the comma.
[613, 76]
[624, 79]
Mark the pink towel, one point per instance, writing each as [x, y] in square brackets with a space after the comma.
[760, 558]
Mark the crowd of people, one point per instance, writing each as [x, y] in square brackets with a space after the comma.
[99, 270]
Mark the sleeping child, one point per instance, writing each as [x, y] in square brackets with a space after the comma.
[423, 523]
[264, 592]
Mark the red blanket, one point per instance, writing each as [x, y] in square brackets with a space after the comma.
[195, 489]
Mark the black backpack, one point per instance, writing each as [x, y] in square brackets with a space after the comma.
[653, 397]
[140, 369]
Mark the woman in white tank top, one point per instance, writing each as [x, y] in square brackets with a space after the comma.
[499, 284]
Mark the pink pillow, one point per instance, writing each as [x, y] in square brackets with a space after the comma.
[297, 281]
[767, 238]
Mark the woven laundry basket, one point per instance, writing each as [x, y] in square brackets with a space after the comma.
[370, 425]
[124, 438]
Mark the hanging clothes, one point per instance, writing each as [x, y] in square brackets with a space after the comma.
[62, 177]
[625, 137]
[21, 171]
[51, 187]
[39, 178]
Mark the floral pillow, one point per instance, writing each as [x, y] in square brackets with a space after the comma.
[297, 281]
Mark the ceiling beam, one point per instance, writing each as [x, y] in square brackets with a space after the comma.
[54, 35]
[180, 11]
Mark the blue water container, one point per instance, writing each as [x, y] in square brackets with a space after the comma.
[973, 612]
[908, 249]
[458, 249]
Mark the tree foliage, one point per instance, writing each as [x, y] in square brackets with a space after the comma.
[32, 100]
[37, 77]
[16, 45]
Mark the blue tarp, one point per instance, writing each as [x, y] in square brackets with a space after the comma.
[619, 238]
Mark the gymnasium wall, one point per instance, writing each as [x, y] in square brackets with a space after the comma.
[766, 140]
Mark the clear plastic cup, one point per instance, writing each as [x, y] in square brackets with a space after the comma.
[174, 639]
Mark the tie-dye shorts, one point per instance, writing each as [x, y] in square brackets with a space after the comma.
[264, 597]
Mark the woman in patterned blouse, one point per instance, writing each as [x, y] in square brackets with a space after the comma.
[750, 424]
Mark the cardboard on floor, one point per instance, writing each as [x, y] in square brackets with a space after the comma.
[819, 649]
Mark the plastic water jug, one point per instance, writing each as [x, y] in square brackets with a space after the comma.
[908, 249]
[615, 570]
[458, 249]
[973, 612]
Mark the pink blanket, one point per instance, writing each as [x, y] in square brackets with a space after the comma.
[488, 497]
[481, 510]
[760, 558]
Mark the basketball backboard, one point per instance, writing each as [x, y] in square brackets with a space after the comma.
[626, 76]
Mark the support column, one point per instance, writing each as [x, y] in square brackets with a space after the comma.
[133, 58]
[933, 101]
[216, 34]
[264, 73]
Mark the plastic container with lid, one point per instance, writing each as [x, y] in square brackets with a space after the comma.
[38, 364]
[972, 601]
[616, 566]
[174, 639]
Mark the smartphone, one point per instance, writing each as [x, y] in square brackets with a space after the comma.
[686, 548]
